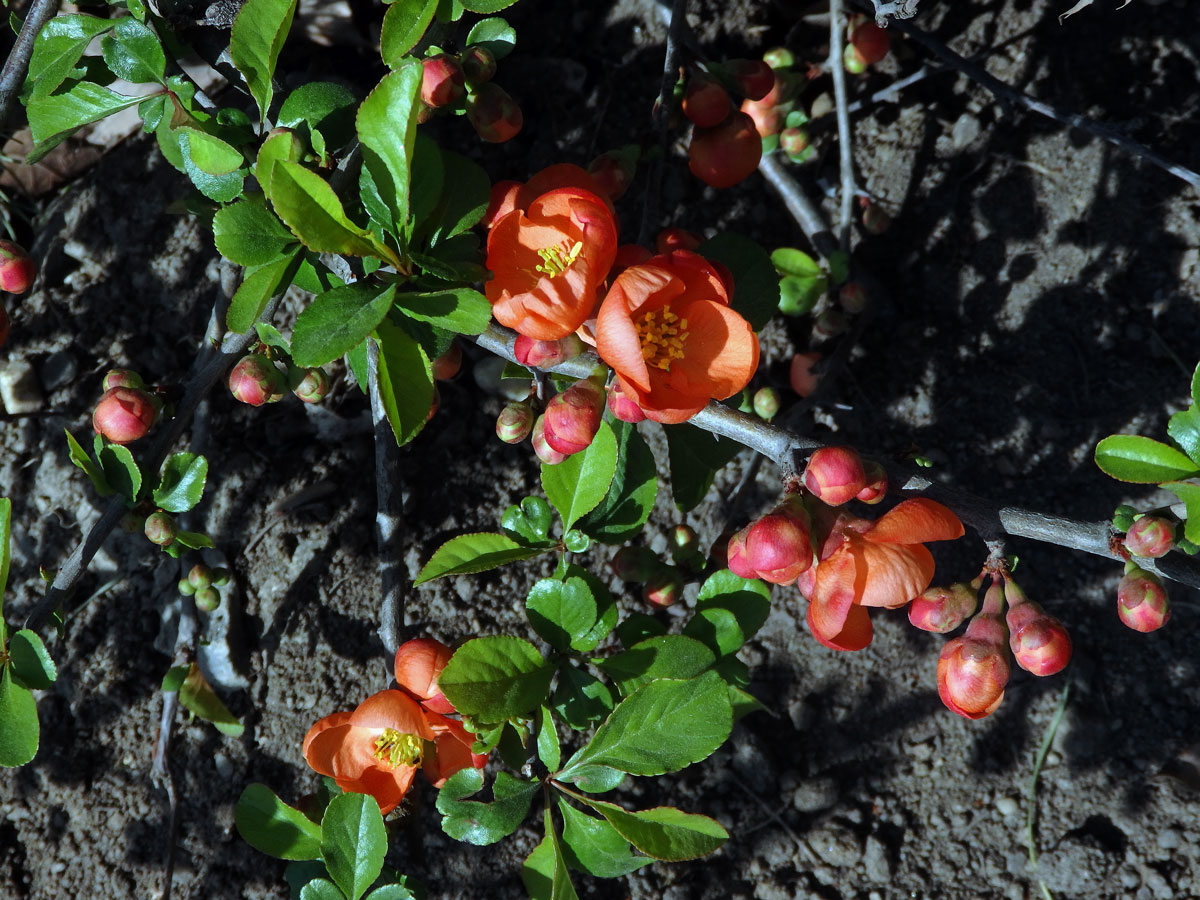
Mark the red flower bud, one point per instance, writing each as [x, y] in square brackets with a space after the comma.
[546, 354]
[478, 64]
[870, 42]
[541, 447]
[971, 676]
[442, 81]
[1039, 642]
[877, 483]
[801, 376]
[448, 364]
[613, 172]
[1142, 601]
[835, 475]
[664, 588]
[123, 378]
[514, 423]
[1150, 536]
[160, 528]
[255, 380]
[766, 403]
[17, 269]
[736, 557]
[493, 114]
[124, 415]
[706, 103]
[942, 609]
[635, 563]
[726, 154]
[622, 406]
[419, 662]
[754, 77]
[779, 545]
[573, 417]
[312, 386]
[677, 239]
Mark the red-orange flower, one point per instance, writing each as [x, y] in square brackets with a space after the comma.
[377, 748]
[667, 330]
[549, 260]
[882, 563]
[418, 664]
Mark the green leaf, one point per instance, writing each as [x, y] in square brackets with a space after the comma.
[1184, 429]
[121, 471]
[31, 664]
[695, 456]
[353, 842]
[477, 822]
[755, 285]
[661, 727]
[404, 24]
[528, 523]
[1196, 386]
[580, 698]
[470, 553]
[549, 751]
[461, 310]
[133, 52]
[211, 155]
[630, 498]
[839, 266]
[272, 827]
[595, 779]
[57, 115]
[463, 198]
[665, 656]
[405, 381]
[426, 185]
[798, 296]
[258, 35]
[387, 130]
[58, 48]
[789, 261]
[665, 833]
[1190, 494]
[606, 609]
[577, 484]
[1131, 457]
[325, 110]
[281, 146]
[193, 540]
[486, 7]
[338, 320]
[309, 207]
[18, 721]
[729, 611]
[257, 289]
[537, 872]
[249, 234]
[592, 845]
[391, 892]
[495, 34]
[321, 889]
[638, 627]
[222, 187]
[495, 678]
[562, 612]
[174, 679]
[197, 697]
[80, 458]
[182, 482]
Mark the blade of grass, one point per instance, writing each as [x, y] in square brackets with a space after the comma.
[1031, 794]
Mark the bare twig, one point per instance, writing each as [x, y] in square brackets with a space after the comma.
[389, 513]
[662, 115]
[845, 149]
[802, 209]
[17, 64]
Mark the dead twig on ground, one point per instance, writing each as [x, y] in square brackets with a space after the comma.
[389, 513]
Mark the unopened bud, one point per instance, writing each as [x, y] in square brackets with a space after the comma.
[684, 539]
[186, 587]
[736, 558]
[676, 239]
[766, 403]
[779, 58]
[779, 545]
[1039, 642]
[801, 375]
[17, 269]
[877, 483]
[160, 528]
[123, 378]
[613, 172]
[835, 475]
[870, 43]
[706, 103]
[514, 423]
[313, 385]
[493, 114]
[546, 354]
[664, 588]
[1150, 536]
[973, 670]
[852, 61]
[124, 415]
[852, 297]
[829, 324]
[221, 577]
[200, 576]
[942, 609]
[793, 141]
[622, 406]
[418, 664]
[1142, 600]
[754, 77]
[874, 219]
[573, 417]
[207, 599]
[635, 563]
[544, 451]
[478, 65]
[255, 380]
[442, 81]
[448, 364]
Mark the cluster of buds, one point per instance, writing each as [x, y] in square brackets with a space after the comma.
[837, 475]
[127, 410]
[662, 584]
[571, 418]
[202, 585]
[726, 146]
[866, 44]
[464, 83]
[255, 380]
[17, 272]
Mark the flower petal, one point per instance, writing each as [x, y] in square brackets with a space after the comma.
[833, 593]
[387, 786]
[330, 721]
[323, 747]
[890, 575]
[617, 340]
[392, 709]
[915, 521]
[451, 751]
[560, 175]
[855, 634]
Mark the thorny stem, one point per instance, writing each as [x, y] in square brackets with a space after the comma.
[389, 515]
[845, 149]
[662, 117]
[17, 64]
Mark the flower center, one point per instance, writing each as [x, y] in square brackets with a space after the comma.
[662, 335]
[556, 260]
[398, 749]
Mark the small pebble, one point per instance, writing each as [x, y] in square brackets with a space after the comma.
[19, 388]
[1007, 806]
[1169, 839]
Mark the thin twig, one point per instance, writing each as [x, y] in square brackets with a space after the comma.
[389, 513]
[17, 64]
[662, 117]
[802, 209]
[845, 149]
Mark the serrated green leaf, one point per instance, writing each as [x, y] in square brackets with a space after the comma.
[387, 130]
[665, 656]
[486, 7]
[479, 823]
[606, 610]
[55, 116]
[461, 310]
[537, 872]
[353, 842]
[729, 611]
[197, 696]
[121, 471]
[272, 827]
[595, 779]
[337, 321]
[580, 698]
[193, 540]
[495, 34]
[212, 155]
[391, 892]
[470, 553]
[562, 612]
[325, 110]
[258, 35]
[31, 663]
[221, 187]
[58, 48]
[257, 289]
[404, 24]
[18, 714]
[1133, 458]
[577, 484]
[695, 455]
[630, 498]
[463, 198]
[280, 146]
[495, 678]
[755, 286]
[246, 232]
[665, 833]
[528, 523]
[405, 381]
[81, 460]
[321, 889]
[309, 207]
[1196, 386]
[1190, 494]
[549, 751]
[594, 846]
[133, 52]
[1184, 430]
[181, 484]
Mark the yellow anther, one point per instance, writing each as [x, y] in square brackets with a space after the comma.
[556, 260]
[398, 749]
[662, 335]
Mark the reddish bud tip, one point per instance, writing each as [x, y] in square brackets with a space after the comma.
[835, 475]
[514, 423]
[706, 103]
[442, 81]
[736, 557]
[124, 415]
[635, 564]
[478, 64]
[546, 354]
[1150, 536]
[870, 43]
[801, 375]
[724, 155]
[17, 269]
[754, 77]
[493, 114]
[160, 528]
[1142, 601]
[877, 483]
[622, 406]
[541, 447]
[779, 545]
[613, 172]
[573, 417]
[664, 588]
[199, 576]
[419, 662]
[766, 403]
[313, 385]
[123, 378]
[255, 380]
[942, 609]
[677, 239]
[971, 676]
[449, 363]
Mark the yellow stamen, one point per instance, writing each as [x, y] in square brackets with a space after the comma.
[662, 335]
[556, 260]
[398, 749]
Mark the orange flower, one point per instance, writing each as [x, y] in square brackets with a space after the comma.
[882, 563]
[668, 332]
[549, 260]
[377, 748]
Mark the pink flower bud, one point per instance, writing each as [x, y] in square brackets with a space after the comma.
[544, 451]
[419, 662]
[835, 475]
[255, 380]
[1151, 536]
[123, 378]
[779, 545]
[312, 386]
[546, 354]
[442, 81]
[1039, 642]
[478, 64]
[973, 669]
[942, 609]
[664, 588]
[493, 114]
[17, 269]
[877, 483]
[448, 364]
[514, 423]
[736, 557]
[573, 417]
[1142, 601]
[635, 564]
[766, 403]
[124, 415]
[622, 406]
[160, 528]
